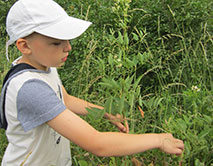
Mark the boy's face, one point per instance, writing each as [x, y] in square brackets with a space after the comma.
[47, 52]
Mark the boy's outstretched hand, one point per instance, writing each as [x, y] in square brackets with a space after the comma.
[118, 120]
[170, 145]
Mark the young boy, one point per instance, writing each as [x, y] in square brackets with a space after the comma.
[42, 117]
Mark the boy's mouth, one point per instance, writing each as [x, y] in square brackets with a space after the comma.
[64, 59]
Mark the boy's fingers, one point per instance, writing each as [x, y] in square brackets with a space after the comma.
[122, 129]
[122, 123]
[127, 126]
[180, 144]
[178, 152]
[125, 123]
[172, 145]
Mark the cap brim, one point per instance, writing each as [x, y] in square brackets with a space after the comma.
[66, 29]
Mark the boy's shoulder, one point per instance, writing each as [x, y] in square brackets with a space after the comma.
[10, 74]
[16, 69]
[17, 76]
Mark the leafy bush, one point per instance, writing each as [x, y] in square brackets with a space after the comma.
[5, 6]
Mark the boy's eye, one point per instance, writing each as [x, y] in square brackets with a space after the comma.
[56, 43]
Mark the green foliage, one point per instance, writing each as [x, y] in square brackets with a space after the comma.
[155, 55]
[192, 125]
[3, 143]
[5, 6]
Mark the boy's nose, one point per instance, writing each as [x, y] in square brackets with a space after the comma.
[67, 47]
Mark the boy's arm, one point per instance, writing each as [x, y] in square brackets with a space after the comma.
[79, 106]
[81, 133]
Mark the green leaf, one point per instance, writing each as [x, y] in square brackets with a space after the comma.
[110, 59]
[156, 102]
[198, 163]
[108, 105]
[140, 101]
[131, 101]
[112, 161]
[182, 125]
[121, 105]
[112, 84]
[82, 163]
[126, 39]
[115, 85]
[187, 148]
[137, 82]
[128, 80]
[135, 36]
[106, 82]
[95, 113]
[208, 119]
[204, 133]
[141, 58]
[187, 120]
[120, 38]
[128, 63]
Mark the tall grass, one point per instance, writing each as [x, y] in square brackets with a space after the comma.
[150, 61]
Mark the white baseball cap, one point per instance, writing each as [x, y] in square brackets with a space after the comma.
[45, 17]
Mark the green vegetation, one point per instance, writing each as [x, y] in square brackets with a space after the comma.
[154, 55]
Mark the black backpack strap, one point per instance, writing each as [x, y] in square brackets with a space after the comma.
[15, 69]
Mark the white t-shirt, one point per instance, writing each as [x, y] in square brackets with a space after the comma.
[34, 97]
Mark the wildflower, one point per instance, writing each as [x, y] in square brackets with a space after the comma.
[195, 88]
[120, 65]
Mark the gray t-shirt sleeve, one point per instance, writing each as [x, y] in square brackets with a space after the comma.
[37, 103]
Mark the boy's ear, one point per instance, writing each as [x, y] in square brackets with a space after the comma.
[23, 46]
